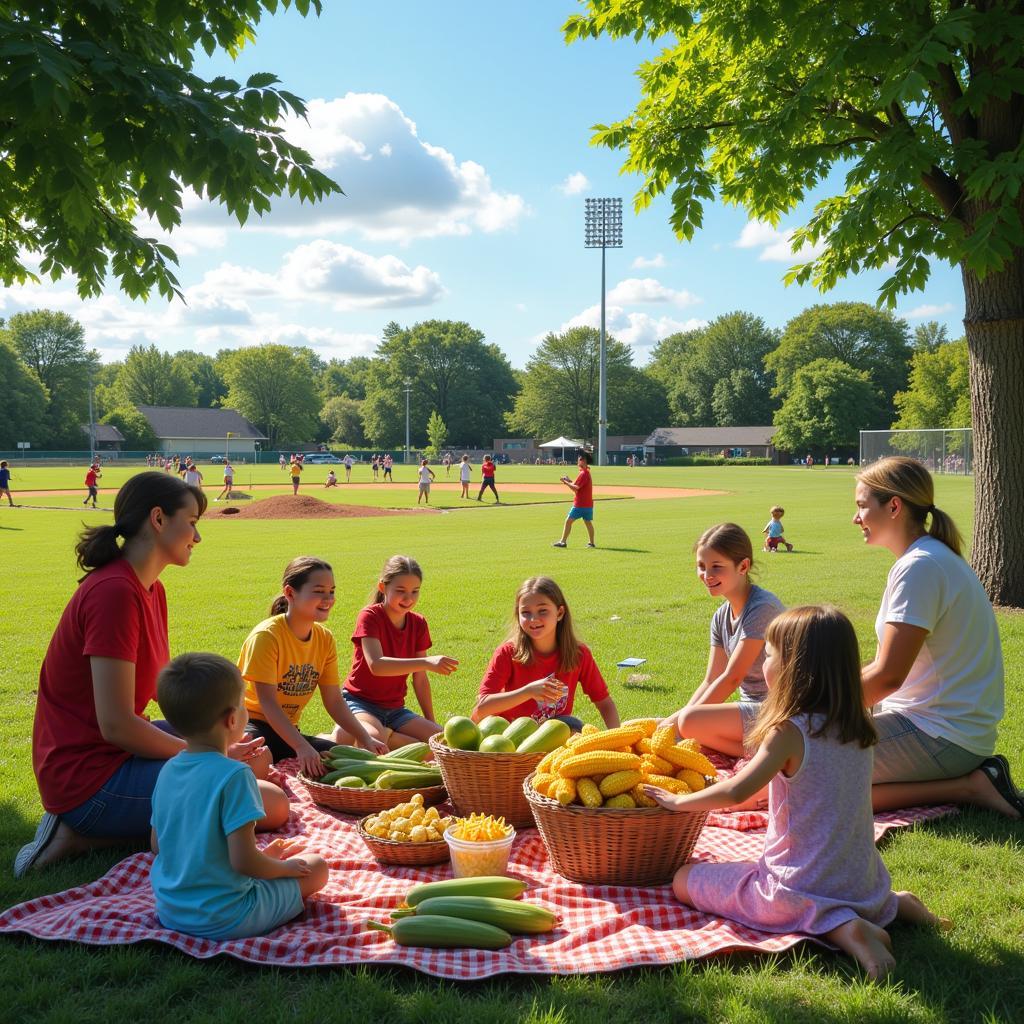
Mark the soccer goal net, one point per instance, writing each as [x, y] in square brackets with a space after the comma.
[942, 451]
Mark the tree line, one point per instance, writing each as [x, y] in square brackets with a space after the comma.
[833, 370]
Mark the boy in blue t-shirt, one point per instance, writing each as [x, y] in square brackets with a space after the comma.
[5, 482]
[774, 532]
[209, 878]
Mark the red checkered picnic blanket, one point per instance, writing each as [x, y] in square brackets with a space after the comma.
[602, 928]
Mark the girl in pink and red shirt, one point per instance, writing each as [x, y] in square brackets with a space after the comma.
[537, 671]
[390, 642]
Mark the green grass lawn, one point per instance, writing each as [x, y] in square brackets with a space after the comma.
[637, 594]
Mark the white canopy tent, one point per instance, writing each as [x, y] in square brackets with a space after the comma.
[563, 443]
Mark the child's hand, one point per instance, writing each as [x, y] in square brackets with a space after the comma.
[375, 746]
[282, 849]
[442, 664]
[670, 801]
[310, 761]
[247, 749]
[546, 691]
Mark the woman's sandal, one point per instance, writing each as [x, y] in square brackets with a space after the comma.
[29, 853]
[997, 768]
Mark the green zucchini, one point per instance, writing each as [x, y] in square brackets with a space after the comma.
[513, 916]
[485, 885]
[444, 933]
[350, 782]
[408, 780]
[410, 752]
[520, 730]
[329, 778]
[550, 736]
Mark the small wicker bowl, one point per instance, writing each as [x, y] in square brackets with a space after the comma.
[414, 855]
[612, 845]
[486, 783]
[366, 800]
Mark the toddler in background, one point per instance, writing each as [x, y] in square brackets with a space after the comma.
[209, 878]
[774, 532]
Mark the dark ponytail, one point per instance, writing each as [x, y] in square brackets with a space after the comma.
[296, 572]
[97, 545]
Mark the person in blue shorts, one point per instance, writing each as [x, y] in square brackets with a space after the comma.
[582, 501]
[5, 482]
[209, 878]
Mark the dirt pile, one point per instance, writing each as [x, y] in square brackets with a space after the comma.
[303, 506]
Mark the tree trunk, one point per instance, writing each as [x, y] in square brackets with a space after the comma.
[994, 322]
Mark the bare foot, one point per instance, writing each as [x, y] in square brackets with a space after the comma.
[982, 792]
[868, 944]
[910, 908]
[67, 843]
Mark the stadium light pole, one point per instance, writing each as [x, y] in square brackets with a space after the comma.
[408, 391]
[603, 230]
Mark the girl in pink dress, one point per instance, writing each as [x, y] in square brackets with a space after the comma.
[820, 872]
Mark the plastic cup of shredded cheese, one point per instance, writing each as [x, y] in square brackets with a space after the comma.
[471, 859]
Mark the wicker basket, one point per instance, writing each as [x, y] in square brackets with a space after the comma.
[614, 846]
[366, 800]
[486, 783]
[412, 855]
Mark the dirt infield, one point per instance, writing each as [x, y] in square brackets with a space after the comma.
[303, 506]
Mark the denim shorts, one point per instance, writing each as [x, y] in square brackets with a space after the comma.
[905, 753]
[122, 807]
[586, 514]
[390, 718]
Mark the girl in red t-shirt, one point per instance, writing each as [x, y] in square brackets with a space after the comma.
[536, 672]
[390, 641]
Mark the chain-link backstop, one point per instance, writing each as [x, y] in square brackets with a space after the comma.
[942, 451]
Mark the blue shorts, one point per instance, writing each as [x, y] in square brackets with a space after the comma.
[390, 718]
[277, 901]
[122, 807]
[586, 514]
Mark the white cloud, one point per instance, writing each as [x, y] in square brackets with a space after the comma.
[638, 330]
[775, 245]
[929, 310]
[635, 290]
[642, 262]
[398, 187]
[574, 184]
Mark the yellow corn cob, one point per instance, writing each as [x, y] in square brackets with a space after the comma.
[619, 782]
[610, 739]
[597, 762]
[683, 758]
[547, 761]
[647, 724]
[588, 793]
[561, 754]
[564, 791]
[576, 739]
[542, 782]
[693, 779]
[690, 745]
[664, 736]
[654, 765]
[622, 800]
[667, 782]
[640, 798]
[589, 730]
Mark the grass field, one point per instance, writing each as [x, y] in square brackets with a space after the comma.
[635, 595]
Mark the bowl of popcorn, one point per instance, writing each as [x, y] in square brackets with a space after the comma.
[409, 834]
[479, 845]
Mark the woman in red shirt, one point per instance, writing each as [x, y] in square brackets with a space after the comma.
[487, 479]
[95, 754]
[536, 672]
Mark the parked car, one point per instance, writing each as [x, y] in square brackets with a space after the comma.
[218, 458]
[319, 458]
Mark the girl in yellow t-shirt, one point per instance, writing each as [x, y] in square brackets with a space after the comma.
[288, 656]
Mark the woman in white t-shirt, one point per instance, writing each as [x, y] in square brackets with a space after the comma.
[936, 682]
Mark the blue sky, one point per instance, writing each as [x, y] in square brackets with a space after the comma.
[460, 133]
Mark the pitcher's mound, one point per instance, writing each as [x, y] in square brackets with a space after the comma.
[302, 506]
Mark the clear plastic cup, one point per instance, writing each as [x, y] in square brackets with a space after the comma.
[473, 859]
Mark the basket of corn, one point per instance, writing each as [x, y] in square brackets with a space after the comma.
[489, 780]
[410, 834]
[357, 782]
[597, 823]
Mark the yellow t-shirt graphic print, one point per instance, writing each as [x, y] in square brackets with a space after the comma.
[273, 654]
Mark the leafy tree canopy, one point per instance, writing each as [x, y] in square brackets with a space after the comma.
[53, 345]
[272, 387]
[22, 412]
[201, 371]
[343, 418]
[104, 121]
[939, 393]
[857, 334]
[345, 377]
[138, 434]
[825, 407]
[149, 377]
[560, 389]
[437, 434]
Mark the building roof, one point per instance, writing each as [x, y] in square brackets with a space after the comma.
[712, 437]
[106, 433]
[171, 422]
